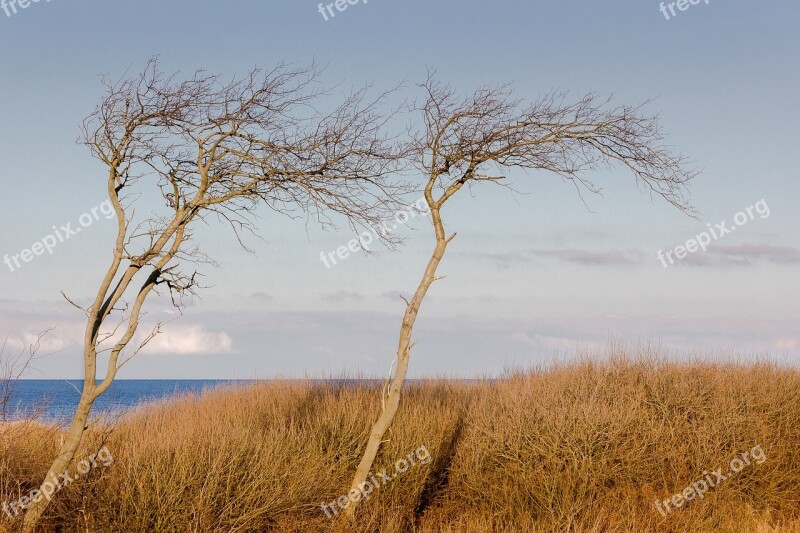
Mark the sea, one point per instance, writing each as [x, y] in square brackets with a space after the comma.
[56, 400]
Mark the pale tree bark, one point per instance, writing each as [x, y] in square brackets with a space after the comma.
[475, 139]
[207, 147]
[392, 402]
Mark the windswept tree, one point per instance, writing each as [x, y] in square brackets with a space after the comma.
[207, 148]
[479, 138]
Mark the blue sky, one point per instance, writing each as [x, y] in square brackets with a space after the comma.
[530, 278]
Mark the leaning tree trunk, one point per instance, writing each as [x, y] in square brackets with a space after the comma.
[385, 419]
[69, 447]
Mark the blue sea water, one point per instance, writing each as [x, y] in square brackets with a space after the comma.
[57, 399]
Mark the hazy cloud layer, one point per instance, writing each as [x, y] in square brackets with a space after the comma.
[717, 255]
[342, 296]
[581, 256]
[744, 255]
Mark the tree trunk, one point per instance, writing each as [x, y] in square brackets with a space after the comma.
[385, 419]
[63, 460]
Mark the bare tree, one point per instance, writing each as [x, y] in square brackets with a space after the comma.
[214, 148]
[478, 138]
[16, 425]
[12, 369]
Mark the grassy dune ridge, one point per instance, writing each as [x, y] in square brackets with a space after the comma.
[586, 446]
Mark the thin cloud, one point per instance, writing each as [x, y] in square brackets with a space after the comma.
[190, 340]
[501, 259]
[773, 254]
[593, 257]
[342, 296]
[579, 256]
[263, 296]
[393, 295]
[554, 343]
[744, 255]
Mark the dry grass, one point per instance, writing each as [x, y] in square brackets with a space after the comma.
[583, 447]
